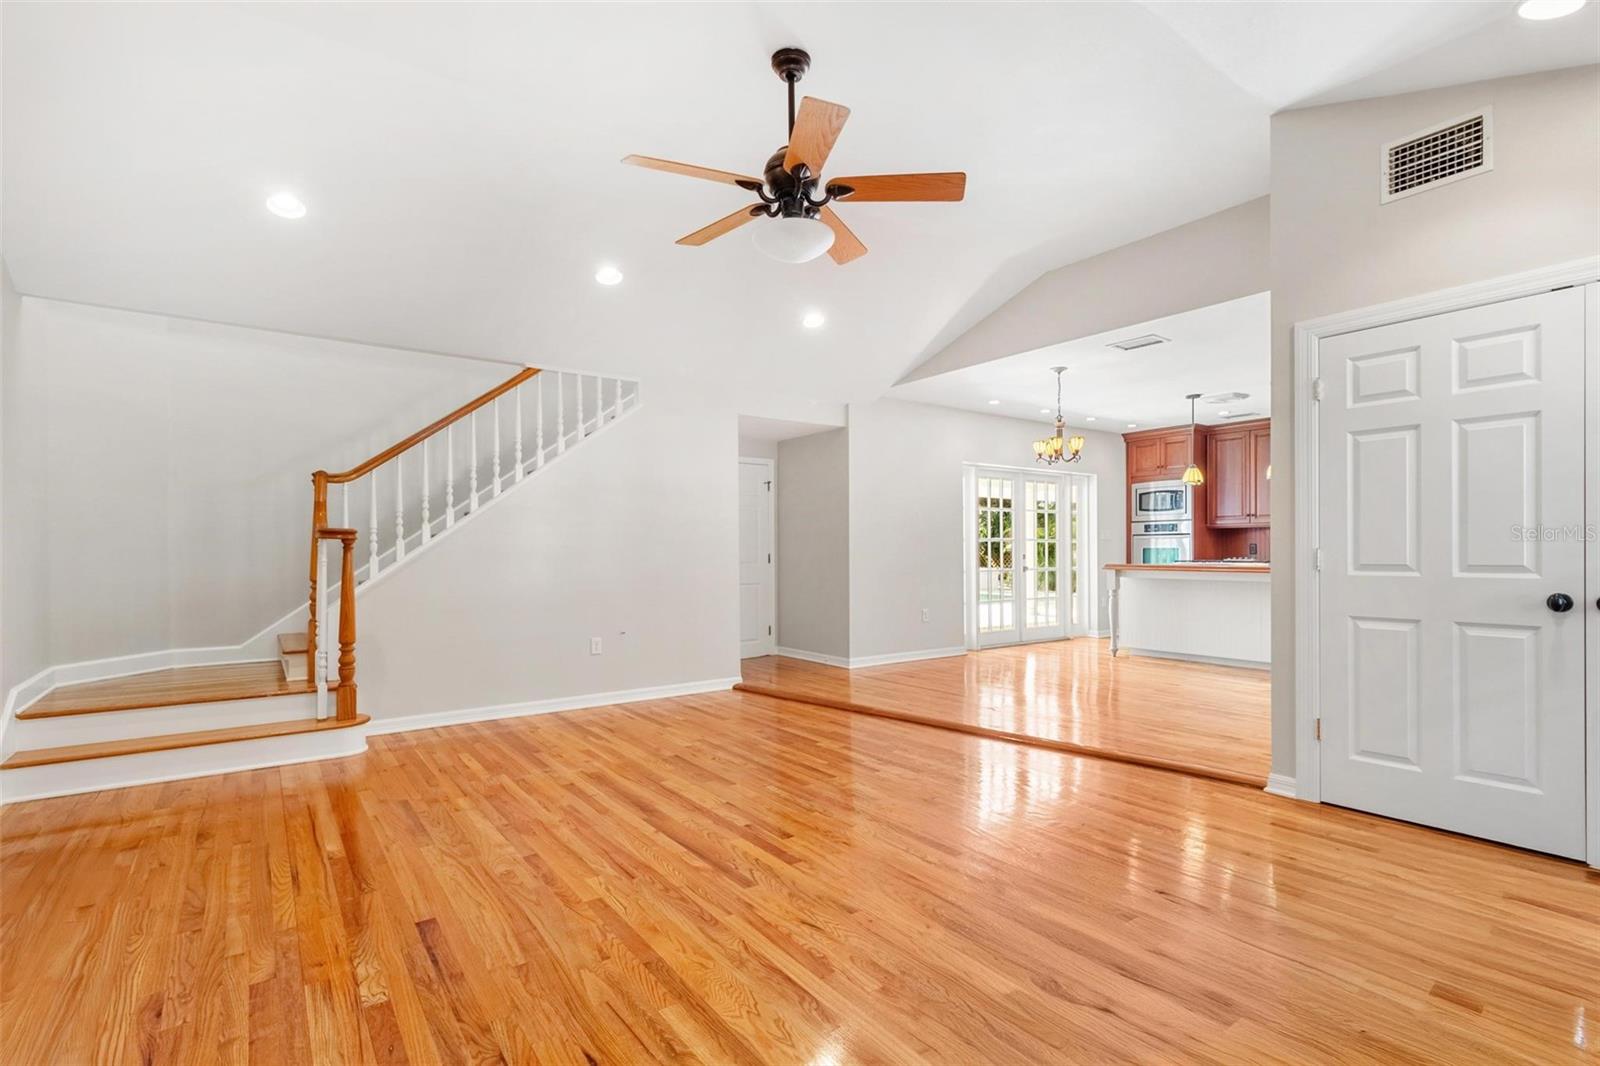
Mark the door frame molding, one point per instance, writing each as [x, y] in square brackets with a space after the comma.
[1308, 335]
[772, 533]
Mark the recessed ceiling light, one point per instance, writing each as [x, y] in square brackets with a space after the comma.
[608, 275]
[1222, 414]
[1044, 410]
[1543, 10]
[286, 205]
[1133, 425]
[813, 319]
[993, 402]
[1088, 418]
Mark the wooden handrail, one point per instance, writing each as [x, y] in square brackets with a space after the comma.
[423, 434]
[321, 479]
[345, 695]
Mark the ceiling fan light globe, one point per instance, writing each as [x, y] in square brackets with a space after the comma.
[793, 240]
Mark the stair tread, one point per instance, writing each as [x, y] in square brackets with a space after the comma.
[292, 643]
[168, 741]
[163, 688]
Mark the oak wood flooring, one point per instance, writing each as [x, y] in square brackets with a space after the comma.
[716, 879]
[1214, 721]
[160, 688]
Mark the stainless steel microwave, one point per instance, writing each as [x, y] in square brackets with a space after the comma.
[1160, 501]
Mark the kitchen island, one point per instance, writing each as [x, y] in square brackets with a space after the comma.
[1206, 612]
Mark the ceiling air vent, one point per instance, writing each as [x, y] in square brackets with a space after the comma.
[1138, 342]
[1438, 155]
[1225, 397]
[1234, 416]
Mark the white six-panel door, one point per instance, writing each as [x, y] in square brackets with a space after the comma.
[756, 575]
[1451, 509]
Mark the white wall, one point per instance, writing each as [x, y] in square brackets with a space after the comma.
[1208, 261]
[632, 538]
[813, 543]
[23, 608]
[1336, 248]
[159, 469]
[755, 448]
[907, 521]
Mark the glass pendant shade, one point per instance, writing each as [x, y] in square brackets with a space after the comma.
[792, 240]
[1193, 476]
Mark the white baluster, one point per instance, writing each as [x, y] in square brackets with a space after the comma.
[496, 406]
[449, 476]
[577, 389]
[427, 491]
[561, 413]
[344, 505]
[538, 421]
[472, 478]
[399, 507]
[372, 525]
[616, 404]
[320, 667]
[516, 431]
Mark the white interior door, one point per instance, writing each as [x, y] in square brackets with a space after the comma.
[1451, 509]
[756, 576]
[999, 622]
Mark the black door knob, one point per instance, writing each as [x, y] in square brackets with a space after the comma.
[1558, 602]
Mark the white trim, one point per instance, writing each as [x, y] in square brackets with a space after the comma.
[262, 647]
[1307, 337]
[1591, 345]
[1280, 785]
[904, 657]
[772, 555]
[813, 657]
[873, 660]
[1209, 660]
[436, 719]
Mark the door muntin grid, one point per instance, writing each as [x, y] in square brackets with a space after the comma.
[1041, 545]
[997, 594]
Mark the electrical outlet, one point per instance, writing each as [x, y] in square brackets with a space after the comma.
[594, 645]
[926, 615]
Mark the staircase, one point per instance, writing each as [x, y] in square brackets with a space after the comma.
[194, 720]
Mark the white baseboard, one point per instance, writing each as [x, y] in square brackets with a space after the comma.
[813, 657]
[1280, 785]
[905, 657]
[1247, 664]
[436, 719]
[867, 660]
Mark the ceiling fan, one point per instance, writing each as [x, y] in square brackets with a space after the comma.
[803, 225]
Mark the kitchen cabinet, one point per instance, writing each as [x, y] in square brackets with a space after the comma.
[1236, 473]
[1158, 455]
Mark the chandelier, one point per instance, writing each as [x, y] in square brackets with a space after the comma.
[1058, 448]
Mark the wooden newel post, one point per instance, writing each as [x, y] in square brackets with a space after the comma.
[319, 519]
[345, 698]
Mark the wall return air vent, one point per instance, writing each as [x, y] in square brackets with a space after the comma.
[1438, 155]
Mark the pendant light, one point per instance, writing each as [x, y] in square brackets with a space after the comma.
[1058, 448]
[1192, 476]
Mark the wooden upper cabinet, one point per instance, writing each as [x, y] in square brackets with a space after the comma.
[1175, 452]
[1145, 462]
[1261, 455]
[1236, 474]
[1159, 454]
[1228, 477]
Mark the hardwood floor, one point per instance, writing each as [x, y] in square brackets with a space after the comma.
[728, 878]
[158, 688]
[1070, 695]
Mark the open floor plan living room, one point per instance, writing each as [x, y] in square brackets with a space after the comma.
[915, 532]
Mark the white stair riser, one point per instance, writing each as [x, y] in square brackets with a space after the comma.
[26, 734]
[121, 771]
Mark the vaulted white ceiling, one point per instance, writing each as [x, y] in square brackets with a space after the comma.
[460, 165]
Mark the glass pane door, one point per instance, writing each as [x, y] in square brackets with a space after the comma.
[997, 586]
[1040, 559]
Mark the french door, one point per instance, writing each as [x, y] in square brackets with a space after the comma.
[1029, 556]
[1452, 558]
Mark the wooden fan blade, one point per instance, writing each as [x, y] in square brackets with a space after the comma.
[846, 245]
[868, 188]
[688, 170]
[816, 127]
[725, 224]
